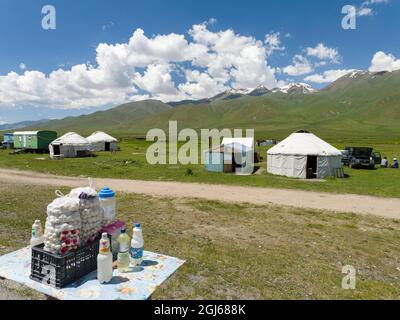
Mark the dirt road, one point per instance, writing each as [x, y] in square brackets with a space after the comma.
[383, 207]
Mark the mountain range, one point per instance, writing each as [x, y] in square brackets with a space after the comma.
[291, 88]
[360, 104]
[22, 124]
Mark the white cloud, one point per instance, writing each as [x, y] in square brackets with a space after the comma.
[212, 21]
[365, 12]
[323, 52]
[327, 76]
[300, 66]
[156, 79]
[234, 58]
[384, 62]
[366, 9]
[200, 85]
[22, 66]
[273, 42]
[312, 58]
[107, 26]
[144, 67]
[371, 2]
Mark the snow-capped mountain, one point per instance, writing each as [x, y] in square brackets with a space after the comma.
[356, 73]
[231, 94]
[259, 91]
[295, 88]
[291, 88]
[241, 91]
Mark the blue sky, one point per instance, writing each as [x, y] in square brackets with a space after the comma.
[271, 43]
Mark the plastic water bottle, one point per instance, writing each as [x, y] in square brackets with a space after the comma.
[109, 204]
[104, 260]
[123, 254]
[137, 245]
[36, 234]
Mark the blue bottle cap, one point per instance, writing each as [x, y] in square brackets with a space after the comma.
[106, 193]
[137, 225]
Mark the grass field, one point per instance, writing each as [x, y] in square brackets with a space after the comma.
[240, 251]
[130, 163]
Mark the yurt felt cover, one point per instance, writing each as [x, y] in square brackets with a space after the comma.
[99, 140]
[100, 136]
[289, 157]
[70, 143]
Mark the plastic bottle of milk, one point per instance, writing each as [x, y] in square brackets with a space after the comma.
[37, 234]
[137, 245]
[104, 260]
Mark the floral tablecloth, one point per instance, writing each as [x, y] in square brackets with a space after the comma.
[139, 284]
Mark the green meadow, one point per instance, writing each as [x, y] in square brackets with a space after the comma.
[352, 111]
[239, 251]
[131, 163]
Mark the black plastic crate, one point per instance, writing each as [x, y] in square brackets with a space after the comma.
[59, 271]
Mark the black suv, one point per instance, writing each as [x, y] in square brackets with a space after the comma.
[361, 157]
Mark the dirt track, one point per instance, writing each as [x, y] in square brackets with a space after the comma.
[383, 207]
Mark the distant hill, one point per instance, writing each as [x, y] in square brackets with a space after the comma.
[22, 124]
[123, 118]
[360, 105]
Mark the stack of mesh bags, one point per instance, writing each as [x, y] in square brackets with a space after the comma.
[63, 225]
[91, 213]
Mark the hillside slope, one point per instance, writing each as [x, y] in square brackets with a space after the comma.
[360, 105]
[122, 118]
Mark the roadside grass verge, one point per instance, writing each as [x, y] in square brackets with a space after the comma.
[241, 251]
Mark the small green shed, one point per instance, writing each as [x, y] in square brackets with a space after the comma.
[34, 140]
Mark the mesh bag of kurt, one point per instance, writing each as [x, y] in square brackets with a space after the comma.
[63, 224]
[91, 213]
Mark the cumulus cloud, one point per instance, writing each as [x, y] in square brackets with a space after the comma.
[145, 67]
[156, 79]
[384, 62]
[323, 52]
[22, 66]
[327, 76]
[200, 85]
[310, 59]
[300, 66]
[230, 57]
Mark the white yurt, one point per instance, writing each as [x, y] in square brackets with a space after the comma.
[303, 155]
[102, 141]
[70, 145]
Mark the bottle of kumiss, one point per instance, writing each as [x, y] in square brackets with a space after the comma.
[123, 254]
[137, 245]
[36, 234]
[104, 260]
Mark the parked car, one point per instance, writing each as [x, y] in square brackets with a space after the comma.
[345, 157]
[361, 157]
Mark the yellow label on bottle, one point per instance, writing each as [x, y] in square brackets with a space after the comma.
[105, 250]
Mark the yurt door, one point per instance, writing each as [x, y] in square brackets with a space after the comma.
[311, 167]
[56, 150]
[107, 146]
